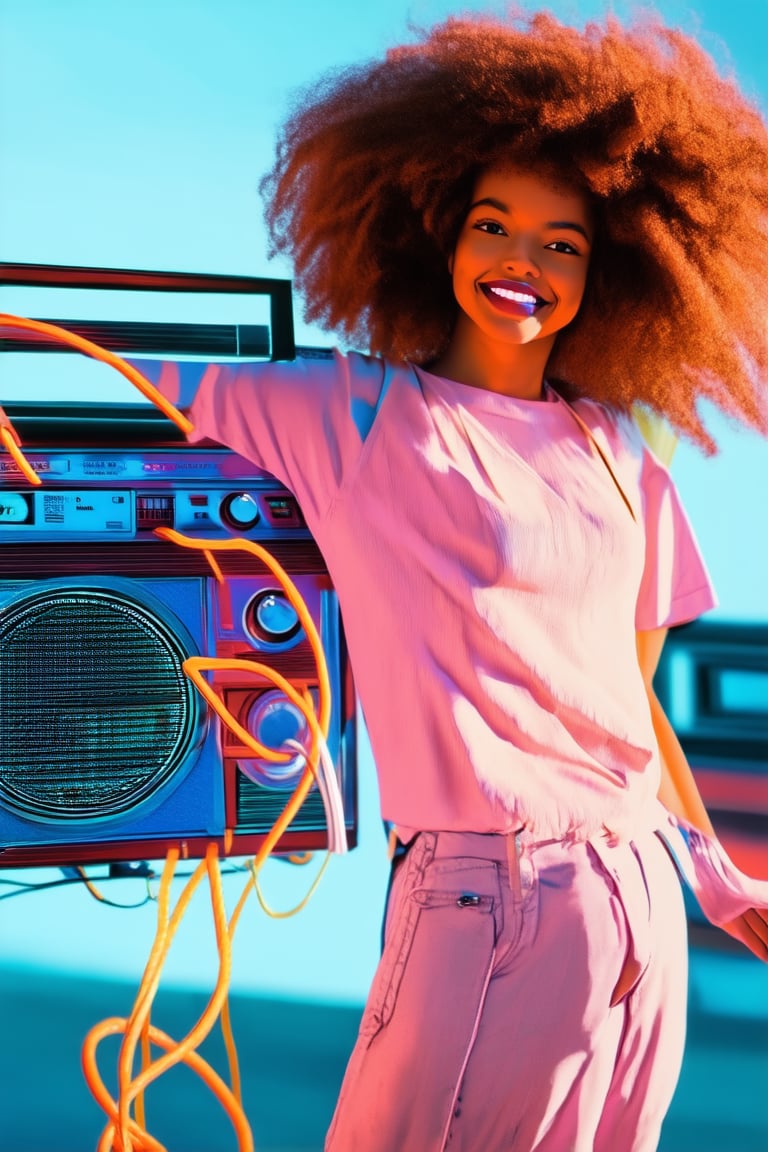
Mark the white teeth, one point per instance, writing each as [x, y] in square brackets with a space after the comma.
[520, 297]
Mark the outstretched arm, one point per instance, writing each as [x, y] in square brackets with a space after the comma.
[679, 793]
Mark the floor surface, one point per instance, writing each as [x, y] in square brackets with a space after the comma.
[292, 1057]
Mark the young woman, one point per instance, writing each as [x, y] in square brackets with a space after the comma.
[531, 229]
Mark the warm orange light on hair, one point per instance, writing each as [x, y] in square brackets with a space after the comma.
[375, 166]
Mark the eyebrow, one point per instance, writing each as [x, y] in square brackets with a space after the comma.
[500, 206]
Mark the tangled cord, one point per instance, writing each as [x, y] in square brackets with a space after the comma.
[125, 1132]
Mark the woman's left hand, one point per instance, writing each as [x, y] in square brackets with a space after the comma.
[751, 928]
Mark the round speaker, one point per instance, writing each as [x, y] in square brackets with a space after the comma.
[97, 712]
[273, 719]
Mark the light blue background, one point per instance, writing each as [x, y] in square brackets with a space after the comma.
[135, 135]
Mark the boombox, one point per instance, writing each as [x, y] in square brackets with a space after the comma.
[107, 751]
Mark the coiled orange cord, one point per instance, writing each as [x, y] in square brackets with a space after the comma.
[123, 1132]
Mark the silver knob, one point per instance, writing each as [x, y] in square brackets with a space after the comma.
[240, 510]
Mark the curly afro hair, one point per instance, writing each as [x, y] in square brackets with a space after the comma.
[375, 168]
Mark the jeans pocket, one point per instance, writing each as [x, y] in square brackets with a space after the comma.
[443, 927]
[630, 902]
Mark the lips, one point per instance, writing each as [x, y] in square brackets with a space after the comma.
[512, 297]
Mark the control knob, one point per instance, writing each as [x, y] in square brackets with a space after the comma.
[271, 618]
[240, 510]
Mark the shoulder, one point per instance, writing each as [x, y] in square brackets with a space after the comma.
[614, 428]
[615, 421]
[365, 373]
[352, 373]
[326, 381]
[618, 432]
[355, 387]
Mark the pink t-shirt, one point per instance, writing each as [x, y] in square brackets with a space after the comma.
[491, 579]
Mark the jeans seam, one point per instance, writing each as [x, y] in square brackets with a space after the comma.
[415, 864]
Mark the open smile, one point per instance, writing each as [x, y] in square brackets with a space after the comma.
[512, 298]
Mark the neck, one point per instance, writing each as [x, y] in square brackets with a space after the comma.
[509, 369]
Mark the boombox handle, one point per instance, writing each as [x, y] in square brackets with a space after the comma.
[211, 340]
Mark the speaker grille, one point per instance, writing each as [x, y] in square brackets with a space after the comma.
[96, 710]
[258, 808]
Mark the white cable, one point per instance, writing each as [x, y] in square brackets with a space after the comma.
[333, 802]
[320, 779]
[334, 791]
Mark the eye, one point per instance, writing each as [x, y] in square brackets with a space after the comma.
[563, 246]
[492, 227]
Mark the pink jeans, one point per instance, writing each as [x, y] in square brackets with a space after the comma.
[531, 997]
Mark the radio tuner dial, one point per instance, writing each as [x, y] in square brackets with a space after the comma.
[239, 510]
[272, 619]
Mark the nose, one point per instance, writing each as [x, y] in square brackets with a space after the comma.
[519, 259]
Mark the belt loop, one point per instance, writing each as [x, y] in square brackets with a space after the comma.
[514, 849]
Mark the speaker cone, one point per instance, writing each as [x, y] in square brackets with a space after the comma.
[96, 711]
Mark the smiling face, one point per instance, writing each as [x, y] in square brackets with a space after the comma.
[519, 267]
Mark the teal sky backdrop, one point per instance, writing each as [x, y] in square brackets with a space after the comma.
[135, 135]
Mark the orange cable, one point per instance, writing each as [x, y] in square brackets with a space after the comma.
[146, 1058]
[90, 1068]
[144, 999]
[185, 1050]
[318, 724]
[8, 435]
[286, 914]
[292, 592]
[201, 1029]
[90, 886]
[114, 1026]
[217, 572]
[121, 1127]
[12, 445]
[143, 1005]
[231, 1049]
[194, 665]
[96, 352]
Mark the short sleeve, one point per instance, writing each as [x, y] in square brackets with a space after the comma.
[303, 421]
[675, 585]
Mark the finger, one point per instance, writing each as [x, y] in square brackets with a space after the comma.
[757, 920]
[751, 933]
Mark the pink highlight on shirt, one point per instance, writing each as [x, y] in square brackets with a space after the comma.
[491, 580]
